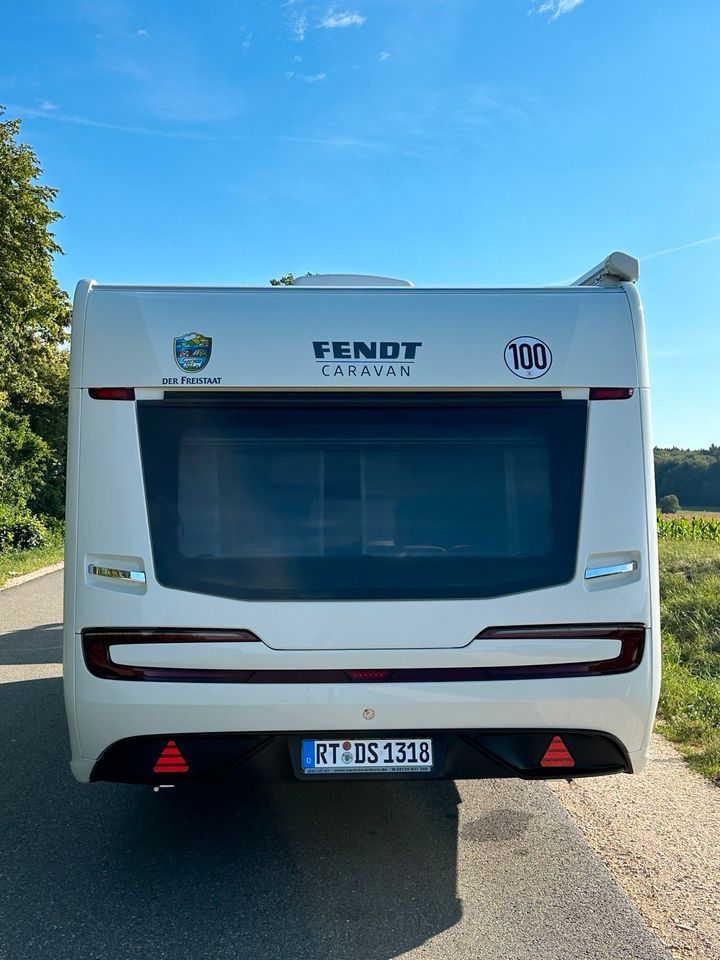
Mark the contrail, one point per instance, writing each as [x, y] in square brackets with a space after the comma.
[35, 114]
[683, 246]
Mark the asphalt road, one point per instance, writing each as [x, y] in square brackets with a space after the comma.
[368, 871]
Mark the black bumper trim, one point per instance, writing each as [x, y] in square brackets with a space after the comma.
[272, 757]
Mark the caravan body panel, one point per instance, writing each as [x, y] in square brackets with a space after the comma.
[365, 479]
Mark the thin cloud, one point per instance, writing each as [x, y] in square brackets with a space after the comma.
[462, 111]
[333, 142]
[298, 25]
[384, 56]
[118, 127]
[480, 104]
[175, 96]
[556, 8]
[305, 78]
[682, 246]
[333, 21]
[364, 148]
[47, 105]
[163, 71]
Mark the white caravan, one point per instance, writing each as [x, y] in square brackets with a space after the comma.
[357, 528]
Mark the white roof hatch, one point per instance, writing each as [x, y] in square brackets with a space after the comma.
[347, 280]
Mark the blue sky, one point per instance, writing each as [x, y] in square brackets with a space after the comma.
[488, 142]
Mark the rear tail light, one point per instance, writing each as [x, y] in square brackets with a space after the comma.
[565, 631]
[112, 393]
[97, 644]
[611, 393]
[630, 635]
[368, 675]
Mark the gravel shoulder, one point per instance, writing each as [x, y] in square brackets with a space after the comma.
[658, 833]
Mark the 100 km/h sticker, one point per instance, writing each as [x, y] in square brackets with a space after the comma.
[528, 357]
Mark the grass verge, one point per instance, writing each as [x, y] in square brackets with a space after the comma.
[690, 609]
[16, 562]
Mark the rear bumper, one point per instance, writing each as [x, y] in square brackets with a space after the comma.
[103, 713]
[465, 754]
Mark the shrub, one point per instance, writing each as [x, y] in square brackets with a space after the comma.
[23, 460]
[55, 526]
[669, 504]
[20, 530]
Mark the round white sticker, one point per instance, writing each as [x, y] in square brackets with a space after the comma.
[528, 357]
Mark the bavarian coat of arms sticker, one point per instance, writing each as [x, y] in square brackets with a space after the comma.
[192, 351]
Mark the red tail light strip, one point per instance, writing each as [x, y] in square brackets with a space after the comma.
[563, 631]
[611, 393]
[97, 643]
[112, 393]
[128, 393]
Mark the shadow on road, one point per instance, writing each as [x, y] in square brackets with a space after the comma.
[334, 870]
[43, 644]
[301, 871]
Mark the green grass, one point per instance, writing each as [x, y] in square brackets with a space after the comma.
[690, 609]
[16, 562]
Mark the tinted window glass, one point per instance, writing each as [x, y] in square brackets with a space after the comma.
[360, 500]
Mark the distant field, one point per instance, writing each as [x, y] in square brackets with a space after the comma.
[689, 526]
[692, 512]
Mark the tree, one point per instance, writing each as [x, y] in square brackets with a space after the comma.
[692, 475]
[288, 280]
[23, 460]
[669, 503]
[49, 421]
[34, 316]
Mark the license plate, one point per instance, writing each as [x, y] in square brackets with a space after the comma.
[361, 756]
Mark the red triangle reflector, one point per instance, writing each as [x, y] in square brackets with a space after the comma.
[171, 760]
[557, 755]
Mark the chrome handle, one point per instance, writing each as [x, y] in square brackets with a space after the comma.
[136, 576]
[592, 573]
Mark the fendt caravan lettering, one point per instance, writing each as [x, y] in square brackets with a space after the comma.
[359, 350]
[354, 528]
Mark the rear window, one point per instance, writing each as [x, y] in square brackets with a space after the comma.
[338, 499]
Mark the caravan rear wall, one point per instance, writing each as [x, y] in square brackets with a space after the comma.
[325, 531]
